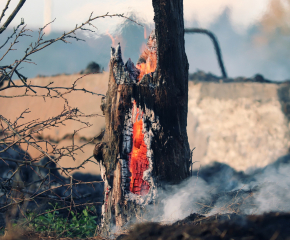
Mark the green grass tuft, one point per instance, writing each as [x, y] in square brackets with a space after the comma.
[52, 223]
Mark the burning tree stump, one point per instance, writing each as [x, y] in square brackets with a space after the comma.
[145, 142]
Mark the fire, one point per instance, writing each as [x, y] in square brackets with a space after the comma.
[138, 161]
[148, 59]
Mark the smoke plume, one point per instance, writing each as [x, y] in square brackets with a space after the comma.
[219, 189]
[47, 16]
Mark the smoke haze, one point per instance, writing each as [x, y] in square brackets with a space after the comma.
[70, 12]
[259, 48]
[219, 189]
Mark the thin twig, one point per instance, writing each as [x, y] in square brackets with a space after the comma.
[4, 10]
[12, 15]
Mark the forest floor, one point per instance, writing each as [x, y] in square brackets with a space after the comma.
[272, 226]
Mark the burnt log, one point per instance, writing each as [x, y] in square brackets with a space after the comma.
[145, 143]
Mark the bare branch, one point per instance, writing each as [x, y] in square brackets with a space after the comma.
[41, 44]
[32, 144]
[215, 43]
[23, 30]
[12, 15]
[14, 32]
[4, 10]
[51, 181]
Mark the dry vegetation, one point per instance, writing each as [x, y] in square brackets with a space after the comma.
[36, 193]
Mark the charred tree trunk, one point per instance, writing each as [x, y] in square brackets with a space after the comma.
[145, 142]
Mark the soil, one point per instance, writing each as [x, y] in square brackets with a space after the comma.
[270, 226]
[273, 226]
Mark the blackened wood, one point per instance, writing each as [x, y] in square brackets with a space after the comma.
[172, 149]
[162, 98]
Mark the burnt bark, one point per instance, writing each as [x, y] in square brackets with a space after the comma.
[158, 103]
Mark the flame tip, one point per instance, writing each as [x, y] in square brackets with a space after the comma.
[147, 61]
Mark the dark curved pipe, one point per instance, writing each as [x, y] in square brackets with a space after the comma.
[215, 43]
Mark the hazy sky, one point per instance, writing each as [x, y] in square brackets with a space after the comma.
[70, 12]
[246, 51]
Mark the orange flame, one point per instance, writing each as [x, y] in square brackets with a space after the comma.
[148, 58]
[113, 40]
[138, 161]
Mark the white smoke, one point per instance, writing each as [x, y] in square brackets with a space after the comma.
[219, 189]
[185, 199]
[47, 16]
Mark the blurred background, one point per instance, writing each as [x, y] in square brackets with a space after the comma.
[253, 36]
[237, 124]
